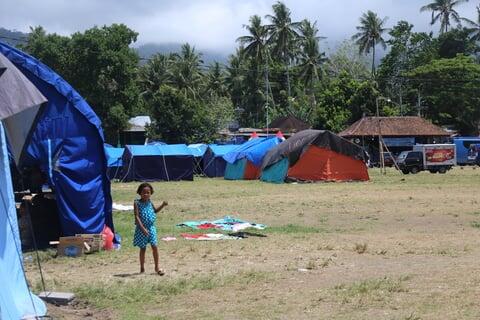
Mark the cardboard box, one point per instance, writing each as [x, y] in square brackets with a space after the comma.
[93, 241]
[70, 246]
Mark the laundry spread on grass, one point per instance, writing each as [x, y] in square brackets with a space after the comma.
[227, 223]
[208, 236]
[168, 238]
[121, 207]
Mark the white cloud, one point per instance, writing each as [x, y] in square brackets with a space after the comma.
[213, 24]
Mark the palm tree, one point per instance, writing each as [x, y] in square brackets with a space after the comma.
[255, 44]
[215, 81]
[444, 11]
[235, 78]
[186, 75]
[283, 36]
[257, 49]
[310, 57]
[475, 26]
[154, 74]
[370, 33]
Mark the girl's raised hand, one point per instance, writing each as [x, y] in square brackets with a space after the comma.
[165, 203]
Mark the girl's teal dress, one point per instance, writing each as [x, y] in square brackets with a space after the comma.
[148, 217]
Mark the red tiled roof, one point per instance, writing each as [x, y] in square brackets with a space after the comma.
[393, 126]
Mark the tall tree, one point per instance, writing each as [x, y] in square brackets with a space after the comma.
[369, 34]
[282, 36]
[443, 10]
[310, 58]
[186, 73]
[235, 79]
[255, 48]
[215, 81]
[155, 73]
[255, 44]
[450, 88]
[474, 29]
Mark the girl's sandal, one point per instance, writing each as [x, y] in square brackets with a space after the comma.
[161, 272]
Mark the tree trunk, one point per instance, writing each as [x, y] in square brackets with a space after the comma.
[373, 60]
[288, 84]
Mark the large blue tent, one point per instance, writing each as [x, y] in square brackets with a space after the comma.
[157, 163]
[67, 144]
[213, 162]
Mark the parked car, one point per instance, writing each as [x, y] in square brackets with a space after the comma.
[432, 157]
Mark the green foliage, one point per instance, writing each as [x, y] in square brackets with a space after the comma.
[347, 59]
[99, 64]
[179, 119]
[450, 87]
[454, 42]
[344, 100]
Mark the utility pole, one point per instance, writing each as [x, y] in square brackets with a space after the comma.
[380, 144]
[266, 89]
[401, 101]
[419, 102]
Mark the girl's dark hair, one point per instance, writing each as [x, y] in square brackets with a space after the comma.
[144, 185]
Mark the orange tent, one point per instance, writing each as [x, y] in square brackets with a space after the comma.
[315, 155]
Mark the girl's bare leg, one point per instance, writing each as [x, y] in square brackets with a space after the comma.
[142, 259]
[155, 259]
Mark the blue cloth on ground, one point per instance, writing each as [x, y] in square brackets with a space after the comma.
[226, 223]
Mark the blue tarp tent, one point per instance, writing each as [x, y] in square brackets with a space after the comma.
[114, 162]
[213, 162]
[16, 301]
[244, 161]
[67, 144]
[170, 162]
[20, 103]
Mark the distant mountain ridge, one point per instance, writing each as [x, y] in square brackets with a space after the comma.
[12, 37]
[145, 51]
[208, 56]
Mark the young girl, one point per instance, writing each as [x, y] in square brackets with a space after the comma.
[145, 230]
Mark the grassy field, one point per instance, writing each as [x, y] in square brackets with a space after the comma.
[397, 247]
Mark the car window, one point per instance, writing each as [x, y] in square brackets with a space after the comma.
[402, 155]
[414, 155]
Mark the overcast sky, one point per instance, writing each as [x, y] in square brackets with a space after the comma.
[207, 24]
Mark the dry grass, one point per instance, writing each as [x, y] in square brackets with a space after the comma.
[418, 237]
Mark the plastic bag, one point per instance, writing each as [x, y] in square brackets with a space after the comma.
[107, 238]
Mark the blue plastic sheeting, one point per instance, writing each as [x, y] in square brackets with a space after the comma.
[238, 152]
[221, 150]
[157, 163]
[114, 156]
[254, 150]
[235, 171]
[160, 150]
[198, 149]
[68, 145]
[16, 301]
[277, 172]
[213, 162]
[256, 153]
